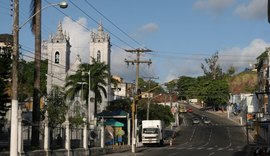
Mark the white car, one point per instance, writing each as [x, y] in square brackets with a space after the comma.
[206, 121]
[195, 121]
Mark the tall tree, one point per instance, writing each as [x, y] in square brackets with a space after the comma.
[56, 107]
[156, 111]
[214, 92]
[186, 87]
[99, 74]
[145, 85]
[26, 79]
[36, 30]
[124, 104]
[5, 74]
[212, 69]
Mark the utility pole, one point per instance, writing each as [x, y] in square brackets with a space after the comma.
[137, 61]
[14, 103]
[148, 103]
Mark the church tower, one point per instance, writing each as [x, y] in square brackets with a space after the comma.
[100, 50]
[58, 54]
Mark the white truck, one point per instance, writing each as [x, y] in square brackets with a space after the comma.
[152, 132]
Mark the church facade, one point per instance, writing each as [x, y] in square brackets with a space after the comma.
[58, 50]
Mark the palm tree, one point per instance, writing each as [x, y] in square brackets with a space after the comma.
[98, 77]
[72, 82]
[36, 30]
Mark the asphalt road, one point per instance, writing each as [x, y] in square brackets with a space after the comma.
[222, 138]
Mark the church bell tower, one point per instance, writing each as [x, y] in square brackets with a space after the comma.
[100, 50]
[58, 54]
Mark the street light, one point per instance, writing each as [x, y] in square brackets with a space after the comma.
[62, 5]
[82, 83]
[14, 103]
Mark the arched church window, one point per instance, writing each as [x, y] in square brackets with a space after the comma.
[57, 57]
[98, 56]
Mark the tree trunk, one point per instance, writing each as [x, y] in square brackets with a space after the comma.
[36, 96]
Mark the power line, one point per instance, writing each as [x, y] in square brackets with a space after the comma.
[49, 61]
[104, 27]
[81, 24]
[113, 24]
[137, 61]
[199, 54]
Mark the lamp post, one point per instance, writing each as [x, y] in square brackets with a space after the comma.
[84, 119]
[14, 102]
[62, 5]
[82, 83]
[85, 133]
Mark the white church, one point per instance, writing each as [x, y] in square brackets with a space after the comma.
[58, 50]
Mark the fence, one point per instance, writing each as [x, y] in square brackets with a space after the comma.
[57, 137]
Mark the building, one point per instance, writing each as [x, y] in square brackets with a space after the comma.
[6, 40]
[122, 89]
[262, 67]
[58, 50]
[100, 50]
[58, 55]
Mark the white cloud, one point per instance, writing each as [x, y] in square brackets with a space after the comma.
[236, 56]
[213, 6]
[149, 28]
[146, 29]
[243, 57]
[79, 38]
[189, 67]
[128, 72]
[255, 9]
[119, 66]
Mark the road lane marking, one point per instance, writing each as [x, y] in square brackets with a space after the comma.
[175, 153]
[209, 138]
[210, 148]
[230, 139]
[193, 133]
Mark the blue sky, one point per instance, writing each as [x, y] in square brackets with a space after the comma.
[181, 33]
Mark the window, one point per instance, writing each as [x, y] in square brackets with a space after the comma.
[98, 56]
[57, 56]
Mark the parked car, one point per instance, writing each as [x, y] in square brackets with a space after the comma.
[195, 121]
[190, 110]
[182, 109]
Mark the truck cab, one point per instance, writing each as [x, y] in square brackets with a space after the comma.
[152, 132]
